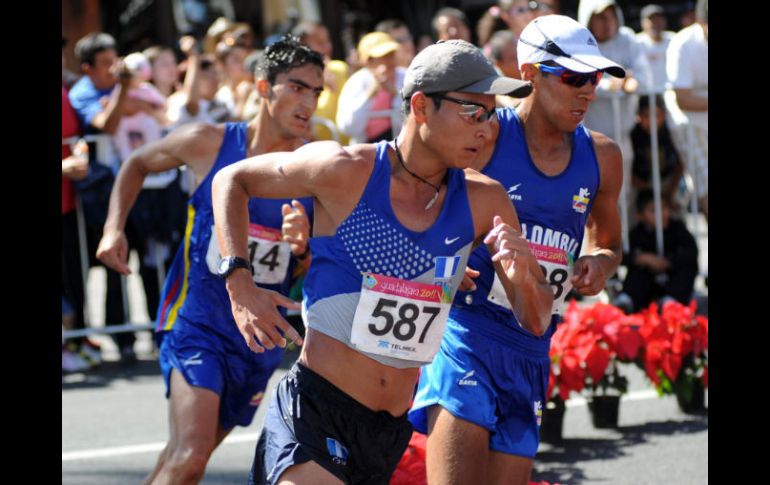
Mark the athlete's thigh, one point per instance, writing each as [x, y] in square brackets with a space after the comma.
[194, 413]
[458, 450]
[308, 473]
[505, 469]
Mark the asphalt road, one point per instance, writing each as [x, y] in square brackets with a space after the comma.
[114, 423]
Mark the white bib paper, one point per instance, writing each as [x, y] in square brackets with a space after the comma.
[269, 256]
[400, 319]
[557, 267]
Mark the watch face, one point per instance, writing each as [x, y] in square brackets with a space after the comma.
[224, 265]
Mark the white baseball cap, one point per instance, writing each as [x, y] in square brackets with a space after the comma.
[565, 41]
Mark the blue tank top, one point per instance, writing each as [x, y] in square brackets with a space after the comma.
[552, 211]
[371, 239]
[192, 292]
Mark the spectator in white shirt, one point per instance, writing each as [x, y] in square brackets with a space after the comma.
[373, 89]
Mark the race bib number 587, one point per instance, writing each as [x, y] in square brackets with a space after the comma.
[399, 318]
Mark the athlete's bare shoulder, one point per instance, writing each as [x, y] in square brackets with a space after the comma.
[607, 150]
[479, 183]
[334, 163]
[199, 132]
[196, 145]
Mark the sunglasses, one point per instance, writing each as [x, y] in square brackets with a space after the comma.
[471, 112]
[571, 78]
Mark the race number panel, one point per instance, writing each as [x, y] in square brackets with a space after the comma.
[269, 256]
[556, 266]
[399, 318]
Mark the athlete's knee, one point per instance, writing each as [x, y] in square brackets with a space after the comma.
[188, 462]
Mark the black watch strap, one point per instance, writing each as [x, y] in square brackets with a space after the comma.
[229, 264]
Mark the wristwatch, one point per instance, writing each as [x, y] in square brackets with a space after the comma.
[228, 264]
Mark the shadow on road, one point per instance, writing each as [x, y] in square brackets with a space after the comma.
[561, 463]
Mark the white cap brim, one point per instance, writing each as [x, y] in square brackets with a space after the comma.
[589, 63]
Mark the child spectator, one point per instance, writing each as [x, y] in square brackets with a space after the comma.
[651, 277]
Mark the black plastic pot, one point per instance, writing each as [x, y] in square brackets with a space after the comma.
[553, 422]
[604, 411]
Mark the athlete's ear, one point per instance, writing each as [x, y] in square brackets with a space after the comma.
[263, 88]
[419, 106]
[528, 72]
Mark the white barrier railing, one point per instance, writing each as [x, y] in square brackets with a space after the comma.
[99, 140]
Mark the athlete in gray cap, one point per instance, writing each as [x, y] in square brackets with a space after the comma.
[394, 225]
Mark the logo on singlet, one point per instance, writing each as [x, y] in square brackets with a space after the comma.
[338, 452]
[581, 200]
[511, 191]
[467, 381]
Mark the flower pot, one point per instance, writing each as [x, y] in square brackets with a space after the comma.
[552, 422]
[691, 396]
[604, 411]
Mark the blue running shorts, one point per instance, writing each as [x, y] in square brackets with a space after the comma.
[496, 378]
[230, 369]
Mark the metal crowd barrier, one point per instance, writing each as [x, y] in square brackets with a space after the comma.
[689, 176]
[100, 141]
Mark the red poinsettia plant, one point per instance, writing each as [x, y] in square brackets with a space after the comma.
[587, 346]
[675, 353]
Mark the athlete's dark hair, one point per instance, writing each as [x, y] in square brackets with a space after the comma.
[92, 44]
[406, 103]
[284, 55]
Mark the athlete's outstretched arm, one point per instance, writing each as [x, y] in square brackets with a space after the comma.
[194, 145]
[525, 285]
[604, 245]
[313, 170]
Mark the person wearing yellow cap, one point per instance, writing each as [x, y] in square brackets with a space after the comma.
[369, 104]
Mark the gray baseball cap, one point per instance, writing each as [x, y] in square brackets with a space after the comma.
[457, 65]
